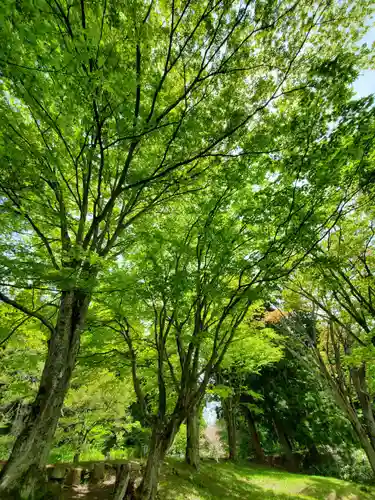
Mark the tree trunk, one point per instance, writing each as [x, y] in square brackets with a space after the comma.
[359, 381]
[122, 482]
[192, 437]
[161, 439]
[24, 470]
[285, 445]
[363, 439]
[361, 435]
[255, 444]
[345, 405]
[230, 420]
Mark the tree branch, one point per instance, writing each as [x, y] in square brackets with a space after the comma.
[26, 310]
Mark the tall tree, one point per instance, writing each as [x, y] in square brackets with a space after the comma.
[110, 109]
[292, 403]
[189, 296]
[303, 331]
[337, 283]
[195, 277]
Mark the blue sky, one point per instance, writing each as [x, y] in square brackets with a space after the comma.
[366, 82]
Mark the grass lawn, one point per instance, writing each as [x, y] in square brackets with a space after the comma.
[227, 481]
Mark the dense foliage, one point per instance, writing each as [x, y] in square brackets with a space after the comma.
[186, 215]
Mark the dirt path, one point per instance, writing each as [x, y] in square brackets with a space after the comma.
[102, 491]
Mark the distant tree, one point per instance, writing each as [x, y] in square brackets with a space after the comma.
[254, 348]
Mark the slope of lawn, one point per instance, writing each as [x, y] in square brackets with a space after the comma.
[227, 481]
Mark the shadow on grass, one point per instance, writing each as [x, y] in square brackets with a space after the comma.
[212, 482]
[323, 488]
[238, 481]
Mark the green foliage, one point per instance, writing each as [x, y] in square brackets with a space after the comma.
[253, 347]
[347, 463]
[95, 416]
[174, 167]
[179, 444]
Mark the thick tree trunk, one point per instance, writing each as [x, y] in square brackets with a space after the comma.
[230, 420]
[161, 440]
[359, 381]
[192, 437]
[285, 445]
[255, 444]
[24, 470]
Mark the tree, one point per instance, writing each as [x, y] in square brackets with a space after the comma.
[192, 437]
[95, 413]
[331, 372]
[193, 307]
[255, 439]
[254, 348]
[96, 406]
[193, 291]
[335, 284]
[22, 352]
[106, 113]
[292, 405]
[338, 283]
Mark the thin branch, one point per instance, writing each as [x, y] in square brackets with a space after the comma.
[14, 329]
[27, 311]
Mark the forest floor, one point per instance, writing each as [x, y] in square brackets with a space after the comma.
[227, 481]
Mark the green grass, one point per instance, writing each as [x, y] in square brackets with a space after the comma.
[226, 481]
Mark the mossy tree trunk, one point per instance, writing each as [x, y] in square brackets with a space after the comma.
[192, 437]
[161, 439]
[231, 424]
[24, 471]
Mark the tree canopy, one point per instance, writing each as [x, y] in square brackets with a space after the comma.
[173, 175]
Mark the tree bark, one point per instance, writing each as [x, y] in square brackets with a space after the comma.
[21, 476]
[286, 445]
[230, 420]
[359, 381]
[161, 439]
[122, 482]
[362, 437]
[192, 437]
[341, 399]
[255, 444]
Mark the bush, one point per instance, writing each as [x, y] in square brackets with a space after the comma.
[118, 454]
[91, 455]
[179, 444]
[359, 469]
[6, 443]
[63, 453]
[350, 464]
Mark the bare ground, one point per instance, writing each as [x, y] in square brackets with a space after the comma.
[102, 491]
